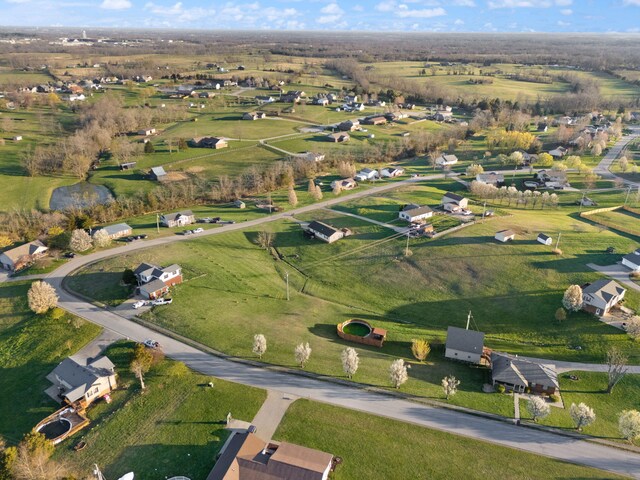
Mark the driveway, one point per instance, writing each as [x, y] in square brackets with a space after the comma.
[618, 272]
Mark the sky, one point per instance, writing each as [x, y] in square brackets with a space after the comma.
[371, 15]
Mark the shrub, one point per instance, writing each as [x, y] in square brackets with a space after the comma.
[500, 388]
[56, 313]
[554, 397]
[128, 277]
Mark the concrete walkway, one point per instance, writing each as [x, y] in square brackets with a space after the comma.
[395, 228]
[618, 272]
[271, 413]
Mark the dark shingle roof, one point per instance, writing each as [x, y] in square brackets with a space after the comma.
[465, 340]
[323, 228]
[603, 288]
[517, 371]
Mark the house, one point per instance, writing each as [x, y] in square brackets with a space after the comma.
[443, 116]
[254, 115]
[116, 231]
[206, 95]
[345, 184]
[246, 457]
[543, 127]
[155, 281]
[632, 260]
[239, 204]
[391, 172]
[379, 120]
[366, 174]
[325, 232]
[127, 165]
[414, 213]
[262, 99]
[446, 160]
[519, 375]
[505, 235]
[551, 178]
[158, 173]
[600, 296]
[349, 125]
[17, 138]
[350, 98]
[544, 239]
[147, 131]
[558, 152]
[209, 142]
[338, 137]
[177, 219]
[452, 202]
[464, 345]
[491, 178]
[20, 257]
[324, 101]
[312, 156]
[78, 381]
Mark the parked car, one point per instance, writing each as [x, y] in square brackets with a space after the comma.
[128, 239]
[139, 304]
[204, 220]
[142, 236]
[162, 301]
[69, 255]
[198, 230]
[187, 232]
[464, 211]
[151, 343]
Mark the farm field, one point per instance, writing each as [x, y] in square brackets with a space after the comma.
[395, 451]
[30, 347]
[176, 427]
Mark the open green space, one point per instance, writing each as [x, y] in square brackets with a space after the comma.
[175, 427]
[376, 447]
[30, 347]
[621, 220]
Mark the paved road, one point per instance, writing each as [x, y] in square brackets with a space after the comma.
[614, 152]
[534, 441]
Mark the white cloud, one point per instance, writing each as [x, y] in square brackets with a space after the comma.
[357, 8]
[115, 4]
[331, 13]
[458, 21]
[530, 3]
[18, 1]
[386, 6]
[563, 24]
[632, 2]
[404, 11]
[463, 3]
[566, 11]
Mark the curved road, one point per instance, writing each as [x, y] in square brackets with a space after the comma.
[603, 168]
[506, 434]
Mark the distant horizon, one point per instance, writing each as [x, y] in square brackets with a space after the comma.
[392, 16]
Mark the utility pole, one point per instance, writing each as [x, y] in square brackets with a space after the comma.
[558, 242]
[468, 319]
[484, 209]
[406, 250]
[628, 193]
[581, 202]
[158, 222]
[286, 276]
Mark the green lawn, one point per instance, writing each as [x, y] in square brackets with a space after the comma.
[175, 427]
[590, 388]
[620, 220]
[376, 447]
[30, 347]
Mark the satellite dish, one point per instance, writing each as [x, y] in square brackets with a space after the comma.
[127, 476]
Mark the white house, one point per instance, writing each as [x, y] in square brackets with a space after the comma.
[544, 239]
[147, 131]
[505, 235]
[366, 174]
[22, 256]
[390, 172]
[414, 213]
[632, 260]
[464, 345]
[446, 160]
[452, 202]
[325, 232]
[491, 178]
[177, 219]
[600, 296]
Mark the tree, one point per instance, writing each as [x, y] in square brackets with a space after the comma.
[32, 460]
[182, 144]
[318, 195]
[302, 353]
[398, 373]
[633, 328]
[42, 297]
[572, 299]
[337, 189]
[293, 197]
[80, 241]
[629, 424]
[544, 160]
[582, 415]
[5, 241]
[101, 239]
[259, 345]
[450, 386]
[561, 314]
[350, 361]
[149, 148]
[616, 367]
[624, 164]
[7, 460]
[538, 408]
[141, 363]
[420, 349]
[474, 169]
[265, 239]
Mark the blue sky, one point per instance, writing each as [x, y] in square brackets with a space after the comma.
[386, 15]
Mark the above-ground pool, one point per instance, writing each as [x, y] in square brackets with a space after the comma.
[55, 428]
[359, 329]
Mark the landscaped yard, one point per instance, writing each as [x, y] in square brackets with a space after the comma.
[175, 427]
[30, 347]
[376, 447]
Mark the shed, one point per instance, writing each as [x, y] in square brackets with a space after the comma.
[544, 239]
[158, 173]
[505, 235]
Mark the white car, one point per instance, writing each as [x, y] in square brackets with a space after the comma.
[151, 343]
[139, 304]
[198, 230]
[162, 301]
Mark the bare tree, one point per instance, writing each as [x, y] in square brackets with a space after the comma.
[259, 345]
[572, 299]
[582, 415]
[398, 373]
[616, 367]
[265, 239]
[293, 197]
[538, 408]
[450, 386]
[42, 297]
[350, 361]
[33, 460]
[302, 353]
[139, 370]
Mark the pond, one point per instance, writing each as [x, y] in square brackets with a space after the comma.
[80, 195]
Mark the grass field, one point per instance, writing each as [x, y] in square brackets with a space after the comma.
[620, 220]
[30, 347]
[397, 451]
[175, 427]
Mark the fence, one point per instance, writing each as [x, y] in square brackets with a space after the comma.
[599, 210]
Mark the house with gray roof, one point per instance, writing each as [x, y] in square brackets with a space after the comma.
[22, 256]
[116, 231]
[158, 173]
[177, 219]
[464, 345]
[520, 375]
[325, 232]
[415, 213]
[446, 160]
[155, 281]
[632, 260]
[600, 296]
[80, 381]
